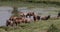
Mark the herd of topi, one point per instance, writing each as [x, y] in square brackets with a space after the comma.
[26, 18]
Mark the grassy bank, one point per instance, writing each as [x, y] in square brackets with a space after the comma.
[57, 2]
[28, 4]
[39, 26]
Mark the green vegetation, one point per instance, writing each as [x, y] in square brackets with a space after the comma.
[52, 28]
[15, 11]
[36, 1]
[29, 3]
[39, 26]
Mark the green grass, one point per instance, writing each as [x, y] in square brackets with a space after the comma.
[38, 26]
[25, 4]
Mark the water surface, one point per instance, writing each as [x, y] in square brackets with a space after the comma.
[5, 13]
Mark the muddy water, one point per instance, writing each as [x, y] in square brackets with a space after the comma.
[5, 12]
